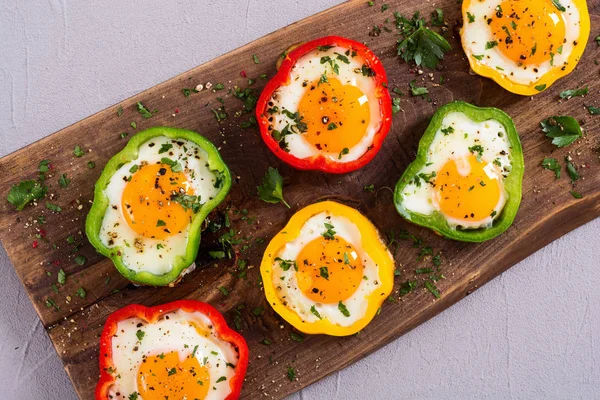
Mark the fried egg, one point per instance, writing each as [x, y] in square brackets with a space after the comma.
[327, 271]
[180, 356]
[330, 106]
[524, 45]
[152, 201]
[463, 178]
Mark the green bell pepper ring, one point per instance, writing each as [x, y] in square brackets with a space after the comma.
[512, 182]
[97, 212]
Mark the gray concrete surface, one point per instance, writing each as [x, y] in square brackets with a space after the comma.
[532, 333]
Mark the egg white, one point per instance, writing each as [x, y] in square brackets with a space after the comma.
[478, 33]
[172, 332]
[490, 134]
[116, 232]
[287, 285]
[309, 69]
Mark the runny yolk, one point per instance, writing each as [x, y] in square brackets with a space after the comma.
[528, 32]
[147, 204]
[466, 195]
[337, 115]
[329, 271]
[165, 377]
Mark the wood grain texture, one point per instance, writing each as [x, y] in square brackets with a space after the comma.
[547, 212]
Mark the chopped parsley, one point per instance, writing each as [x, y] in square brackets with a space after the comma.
[433, 289]
[491, 44]
[61, 277]
[291, 374]
[344, 151]
[417, 91]
[314, 311]
[572, 171]
[224, 290]
[144, 112]
[567, 94]
[160, 222]
[552, 164]
[324, 272]
[140, 334]
[286, 264]
[297, 337]
[53, 207]
[188, 202]
[563, 130]
[25, 192]
[343, 309]
[165, 147]
[593, 110]
[77, 152]
[81, 293]
[80, 259]
[329, 234]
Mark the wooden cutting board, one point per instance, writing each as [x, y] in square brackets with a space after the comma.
[548, 210]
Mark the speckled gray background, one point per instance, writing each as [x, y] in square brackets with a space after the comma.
[534, 332]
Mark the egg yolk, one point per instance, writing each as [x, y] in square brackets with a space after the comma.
[464, 191]
[165, 377]
[337, 115]
[329, 270]
[147, 203]
[529, 32]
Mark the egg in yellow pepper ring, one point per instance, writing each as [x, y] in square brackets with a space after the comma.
[328, 271]
[524, 45]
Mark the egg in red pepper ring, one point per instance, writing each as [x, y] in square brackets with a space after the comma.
[328, 108]
[179, 350]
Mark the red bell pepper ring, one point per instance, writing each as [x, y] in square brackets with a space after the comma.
[320, 162]
[151, 315]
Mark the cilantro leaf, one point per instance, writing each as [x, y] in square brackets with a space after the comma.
[26, 191]
[271, 190]
[562, 130]
[419, 43]
[552, 164]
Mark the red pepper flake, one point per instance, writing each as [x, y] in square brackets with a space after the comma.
[42, 233]
[243, 74]
[177, 111]
[56, 262]
[34, 244]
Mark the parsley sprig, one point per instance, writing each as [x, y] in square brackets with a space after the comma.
[419, 43]
[271, 190]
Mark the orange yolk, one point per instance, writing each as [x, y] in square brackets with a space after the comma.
[329, 271]
[337, 115]
[472, 197]
[147, 203]
[528, 32]
[165, 377]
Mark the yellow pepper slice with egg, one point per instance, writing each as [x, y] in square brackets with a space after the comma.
[327, 271]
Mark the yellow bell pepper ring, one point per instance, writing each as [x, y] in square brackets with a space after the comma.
[328, 271]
